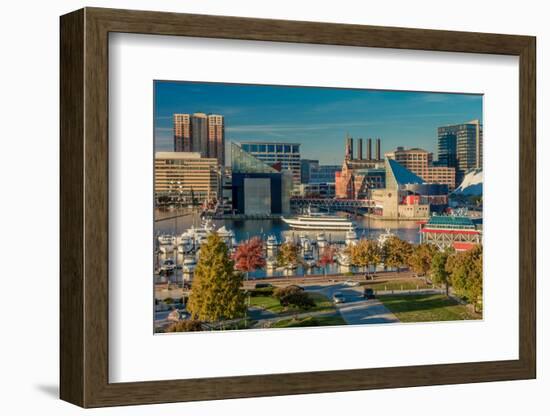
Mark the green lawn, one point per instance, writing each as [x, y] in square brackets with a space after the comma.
[329, 320]
[409, 284]
[271, 303]
[426, 308]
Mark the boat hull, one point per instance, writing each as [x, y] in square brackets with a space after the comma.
[317, 224]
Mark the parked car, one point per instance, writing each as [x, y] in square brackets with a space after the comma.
[338, 297]
[351, 283]
[368, 293]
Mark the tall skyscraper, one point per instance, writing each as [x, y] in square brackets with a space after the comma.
[216, 137]
[200, 133]
[461, 146]
[182, 132]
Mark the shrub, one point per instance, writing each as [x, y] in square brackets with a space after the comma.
[294, 296]
[185, 326]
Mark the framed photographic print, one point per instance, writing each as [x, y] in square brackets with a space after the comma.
[260, 207]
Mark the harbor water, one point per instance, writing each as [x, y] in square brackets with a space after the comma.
[176, 222]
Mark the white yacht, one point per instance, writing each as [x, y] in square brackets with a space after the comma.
[185, 245]
[309, 261]
[351, 237]
[166, 239]
[321, 240]
[271, 263]
[382, 238]
[319, 221]
[168, 266]
[271, 242]
[228, 236]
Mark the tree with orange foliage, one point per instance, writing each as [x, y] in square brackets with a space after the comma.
[249, 255]
[327, 257]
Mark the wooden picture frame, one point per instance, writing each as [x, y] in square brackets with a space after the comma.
[84, 207]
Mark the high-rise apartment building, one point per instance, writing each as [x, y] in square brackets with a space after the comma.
[182, 132]
[461, 146]
[273, 153]
[216, 138]
[200, 133]
[420, 162]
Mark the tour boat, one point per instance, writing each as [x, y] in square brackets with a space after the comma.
[319, 221]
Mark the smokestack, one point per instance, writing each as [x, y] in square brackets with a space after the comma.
[349, 148]
[360, 149]
[378, 149]
[369, 149]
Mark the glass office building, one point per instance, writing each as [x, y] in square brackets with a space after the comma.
[273, 153]
[257, 188]
[461, 146]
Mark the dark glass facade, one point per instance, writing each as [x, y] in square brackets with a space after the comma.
[239, 196]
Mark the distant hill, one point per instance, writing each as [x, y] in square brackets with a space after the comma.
[472, 184]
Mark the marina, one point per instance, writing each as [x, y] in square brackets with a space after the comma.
[178, 238]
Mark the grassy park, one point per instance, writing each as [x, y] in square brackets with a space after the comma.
[427, 308]
[267, 300]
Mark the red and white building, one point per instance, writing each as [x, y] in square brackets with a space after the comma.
[445, 231]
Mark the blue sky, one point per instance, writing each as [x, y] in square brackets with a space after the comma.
[318, 118]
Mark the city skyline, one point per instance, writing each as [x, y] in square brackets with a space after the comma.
[318, 118]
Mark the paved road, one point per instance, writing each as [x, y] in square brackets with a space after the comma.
[356, 310]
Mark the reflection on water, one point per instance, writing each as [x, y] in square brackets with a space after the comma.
[366, 228]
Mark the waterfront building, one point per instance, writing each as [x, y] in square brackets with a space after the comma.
[461, 146]
[185, 176]
[200, 133]
[420, 162]
[444, 231]
[406, 195]
[359, 175]
[257, 187]
[271, 153]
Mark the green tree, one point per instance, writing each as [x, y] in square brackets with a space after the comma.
[216, 293]
[365, 253]
[396, 252]
[420, 259]
[466, 273]
[438, 269]
[289, 253]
